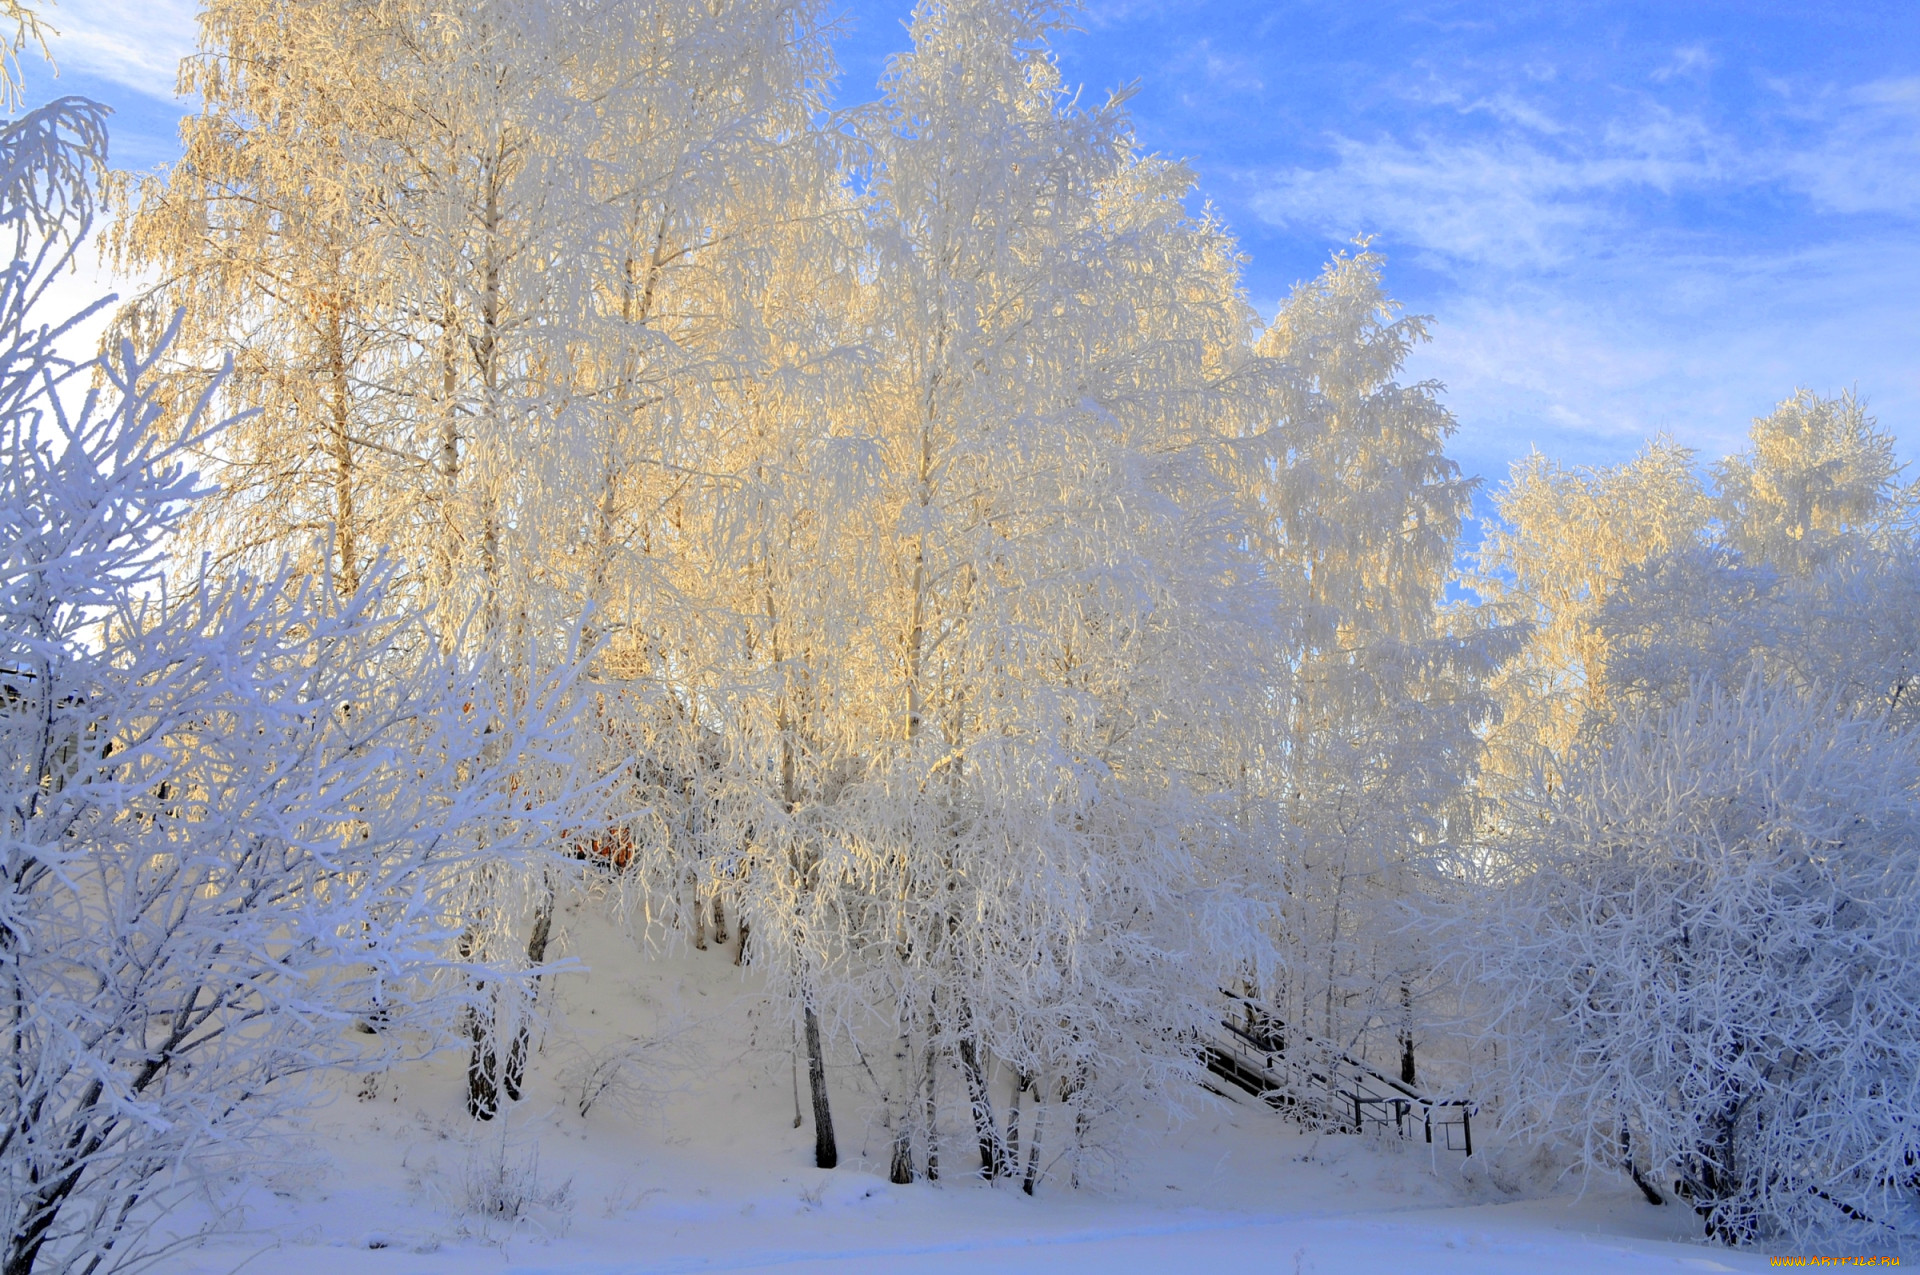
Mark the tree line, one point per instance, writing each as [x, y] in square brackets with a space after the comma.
[889, 540]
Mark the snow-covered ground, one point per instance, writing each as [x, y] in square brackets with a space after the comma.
[698, 1166]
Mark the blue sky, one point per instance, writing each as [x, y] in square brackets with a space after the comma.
[1624, 217]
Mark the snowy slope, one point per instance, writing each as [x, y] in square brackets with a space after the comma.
[701, 1168]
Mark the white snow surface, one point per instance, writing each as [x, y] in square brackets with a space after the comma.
[706, 1172]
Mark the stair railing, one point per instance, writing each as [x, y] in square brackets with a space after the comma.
[1322, 1086]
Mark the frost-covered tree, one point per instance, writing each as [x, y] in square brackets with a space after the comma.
[1817, 472]
[1702, 961]
[484, 341]
[1640, 577]
[1810, 571]
[235, 807]
[490, 342]
[1385, 693]
[1039, 817]
[264, 240]
[1557, 551]
[1016, 625]
[1720, 787]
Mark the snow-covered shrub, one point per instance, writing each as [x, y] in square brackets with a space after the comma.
[630, 1074]
[232, 809]
[499, 1192]
[1707, 961]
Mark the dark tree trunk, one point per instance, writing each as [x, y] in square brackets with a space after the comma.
[1633, 1170]
[826, 1154]
[1011, 1165]
[23, 1249]
[515, 1072]
[1715, 1193]
[1033, 1143]
[991, 1163]
[483, 1088]
[900, 1170]
[1406, 1035]
[699, 915]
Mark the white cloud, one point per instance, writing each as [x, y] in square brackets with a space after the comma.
[1511, 202]
[1868, 161]
[136, 43]
[1216, 71]
[1587, 364]
[1688, 61]
[1591, 304]
[1538, 194]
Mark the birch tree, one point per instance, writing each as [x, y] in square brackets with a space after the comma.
[262, 235]
[1561, 544]
[1641, 578]
[1033, 827]
[234, 809]
[1387, 694]
[553, 210]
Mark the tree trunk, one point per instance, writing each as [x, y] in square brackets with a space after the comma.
[697, 911]
[933, 1110]
[1033, 1147]
[447, 462]
[798, 1120]
[23, 1248]
[483, 1089]
[826, 1154]
[1633, 1170]
[1406, 1035]
[346, 539]
[906, 1086]
[1327, 1031]
[516, 1069]
[900, 1168]
[981, 1099]
[1011, 1165]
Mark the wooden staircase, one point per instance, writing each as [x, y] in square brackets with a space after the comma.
[1321, 1086]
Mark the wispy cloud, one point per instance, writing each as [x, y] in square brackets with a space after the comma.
[1867, 159]
[1535, 193]
[1625, 217]
[1510, 202]
[1586, 367]
[134, 43]
[1688, 61]
[1220, 70]
[1658, 269]
[1587, 362]
[1527, 190]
